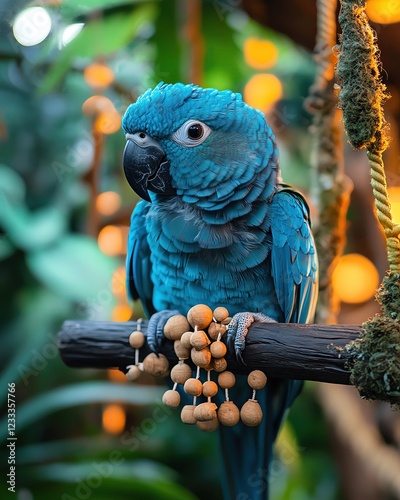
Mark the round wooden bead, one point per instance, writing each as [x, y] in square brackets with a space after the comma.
[226, 380]
[228, 413]
[257, 379]
[200, 316]
[175, 327]
[220, 313]
[171, 398]
[180, 350]
[209, 425]
[193, 387]
[218, 349]
[185, 339]
[215, 329]
[199, 340]
[180, 373]
[210, 389]
[201, 358]
[251, 413]
[219, 364]
[156, 365]
[205, 411]
[187, 414]
[136, 339]
[133, 373]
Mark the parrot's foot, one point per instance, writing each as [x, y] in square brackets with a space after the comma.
[238, 328]
[155, 328]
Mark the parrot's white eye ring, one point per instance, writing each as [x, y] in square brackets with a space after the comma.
[192, 133]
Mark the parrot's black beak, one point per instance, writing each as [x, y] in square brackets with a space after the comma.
[146, 167]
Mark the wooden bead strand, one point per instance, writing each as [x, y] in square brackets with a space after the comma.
[206, 413]
[228, 412]
[251, 412]
[193, 387]
[136, 340]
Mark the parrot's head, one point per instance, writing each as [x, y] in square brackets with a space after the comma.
[204, 145]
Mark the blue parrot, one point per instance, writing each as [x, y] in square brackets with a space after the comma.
[217, 226]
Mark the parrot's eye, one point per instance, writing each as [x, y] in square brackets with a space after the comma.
[191, 133]
[195, 131]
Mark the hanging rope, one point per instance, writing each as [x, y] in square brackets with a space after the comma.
[361, 98]
[330, 187]
[376, 369]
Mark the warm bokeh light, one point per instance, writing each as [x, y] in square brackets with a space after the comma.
[96, 104]
[114, 419]
[260, 54]
[32, 26]
[108, 122]
[121, 312]
[383, 12]
[118, 286]
[112, 240]
[116, 376]
[355, 279]
[70, 32]
[262, 91]
[394, 197]
[108, 202]
[98, 75]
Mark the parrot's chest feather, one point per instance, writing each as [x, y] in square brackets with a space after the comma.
[194, 261]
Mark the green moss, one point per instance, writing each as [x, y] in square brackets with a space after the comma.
[362, 93]
[375, 366]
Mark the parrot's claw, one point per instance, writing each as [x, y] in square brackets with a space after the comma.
[155, 328]
[238, 329]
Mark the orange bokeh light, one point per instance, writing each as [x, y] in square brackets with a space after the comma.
[116, 376]
[96, 104]
[262, 91]
[383, 12]
[260, 54]
[108, 122]
[112, 240]
[394, 197]
[114, 419]
[108, 202]
[98, 75]
[118, 285]
[121, 312]
[355, 279]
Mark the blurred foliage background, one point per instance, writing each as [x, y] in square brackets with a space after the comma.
[68, 70]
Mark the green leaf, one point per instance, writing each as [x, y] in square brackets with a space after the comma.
[98, 38]
[12, 185]
[27, 230]
[74, 268]
[75, 8]
[82, 394]
[27, 333]
[6, 248]
[224, 68]
[168, 43]
[32, 230]
[145, 479]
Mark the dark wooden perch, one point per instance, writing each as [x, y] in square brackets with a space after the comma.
[283, 350]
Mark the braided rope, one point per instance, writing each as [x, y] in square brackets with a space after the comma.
[325, 40]
[392, 231]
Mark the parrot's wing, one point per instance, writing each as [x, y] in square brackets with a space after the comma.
[138, 265]
[293, 256]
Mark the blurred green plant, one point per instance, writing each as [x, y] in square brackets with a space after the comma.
[52, 166]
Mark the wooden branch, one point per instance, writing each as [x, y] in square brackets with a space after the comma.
[282, 350]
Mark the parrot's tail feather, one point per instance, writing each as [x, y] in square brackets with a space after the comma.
[247, 451]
